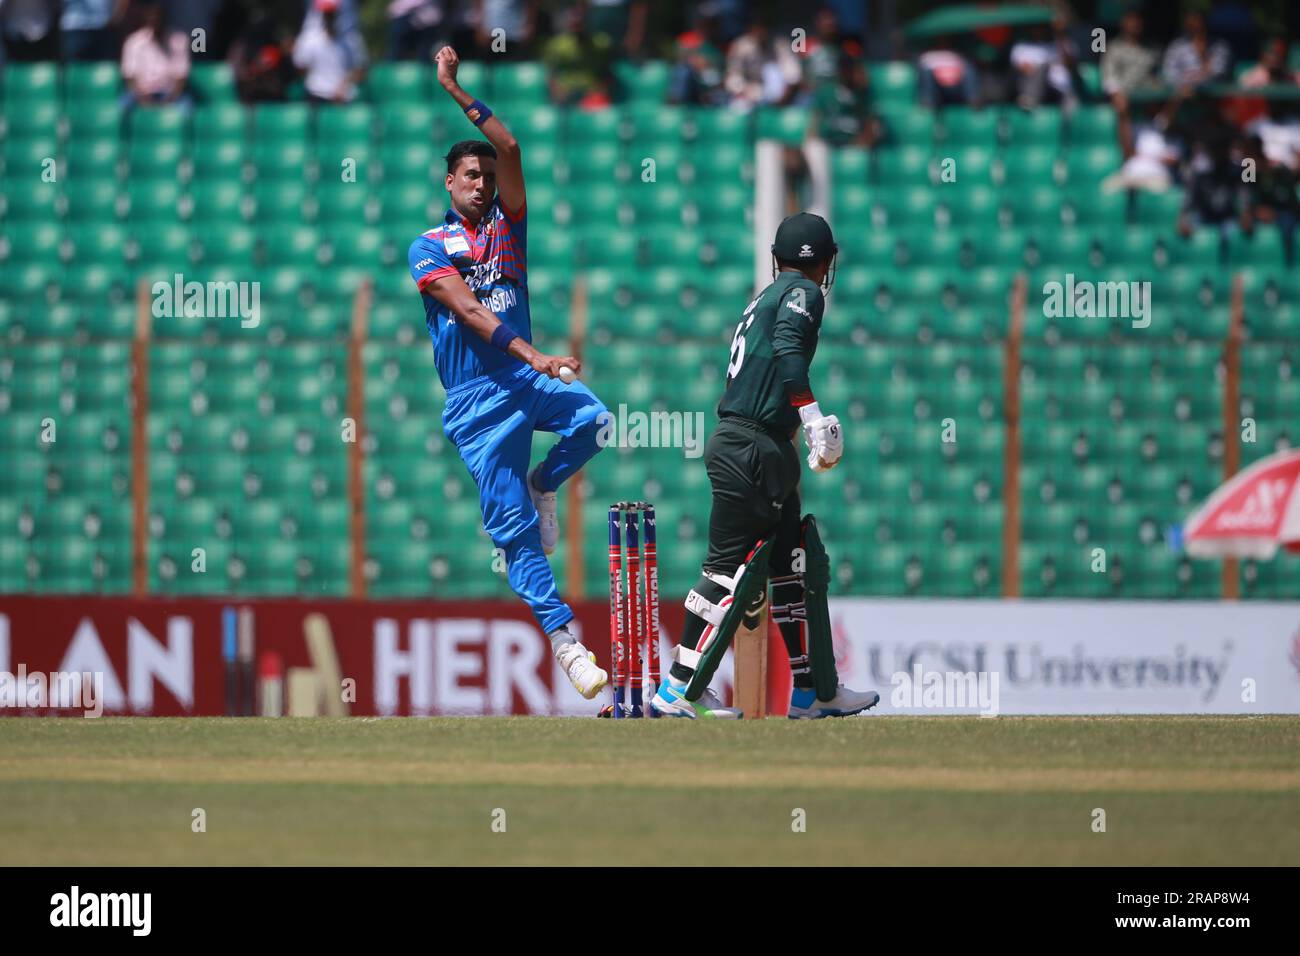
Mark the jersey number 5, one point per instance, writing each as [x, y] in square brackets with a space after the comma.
[738, 342]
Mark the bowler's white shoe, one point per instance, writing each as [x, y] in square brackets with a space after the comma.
[544, 502]
[580, 665]
[804, 704]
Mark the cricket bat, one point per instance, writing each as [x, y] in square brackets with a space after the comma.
[749, 658]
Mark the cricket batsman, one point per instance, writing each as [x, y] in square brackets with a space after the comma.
[472, 275]
[755, 528]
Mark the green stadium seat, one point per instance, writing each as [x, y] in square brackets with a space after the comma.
[786, 125]
[1090, 125]
[217, 123]
[908, 127]
[39, 117]
[893, 83]
[1031, 128]
[28, 156]
[218, 202]
[91, 158]
[397, 82]
[153, 200]
[346, 124]
[91, 118]
[599, 131]
[1101, 209]
[645, 82]
[26, 200]
[28, 83]
[1159, 209]
[406, 121]
[716, 126]
[280, 122]
[159, 123]
[154, 159]
[92, 83]
[162, 243]
[356, 244]
[212, 82]
[282, 202]
[966, 128]
[1029, 165]
[220, 162]
[280, 159]
[904, 165]
[409, 162]
[31, 242]
[1087, 165]
[520, 84]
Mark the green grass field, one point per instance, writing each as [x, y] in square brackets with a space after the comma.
[873, 791]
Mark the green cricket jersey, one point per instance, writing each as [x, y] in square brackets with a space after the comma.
[781, 324]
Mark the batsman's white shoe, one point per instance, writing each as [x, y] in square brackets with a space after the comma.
[670, 701]
[804, 704]
[579, 664]
[544, 502]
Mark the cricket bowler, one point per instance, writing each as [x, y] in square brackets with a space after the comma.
[472, 275]
[755, 528]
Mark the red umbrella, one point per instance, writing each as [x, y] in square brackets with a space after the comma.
[1251, 514]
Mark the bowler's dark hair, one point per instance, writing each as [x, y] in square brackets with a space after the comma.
[469, 147]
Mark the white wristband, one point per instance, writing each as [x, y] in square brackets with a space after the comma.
[809, 413]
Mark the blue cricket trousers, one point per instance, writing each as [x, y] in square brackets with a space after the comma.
[491, 421]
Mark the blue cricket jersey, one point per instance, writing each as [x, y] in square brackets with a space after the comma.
[492, 261]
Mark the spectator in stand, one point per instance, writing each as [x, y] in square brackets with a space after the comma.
[841, 110]
[840, 116]
[1127, 65]
[991, 57]
[1214, 192]
[86, 29]
[1273, 197]
[577, 62]
[261, 60]
[825, 48]
[155, 63]
[333, 60]
[1043, 65]
[416, 29]
[761, 69]
[1272, 68]
[1193, 59]
[621, 22]
[697, 76]
[346, 17]
[27, 30]
[944, 76]
[1255, 112]
[518, 18]
[1190, 62]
